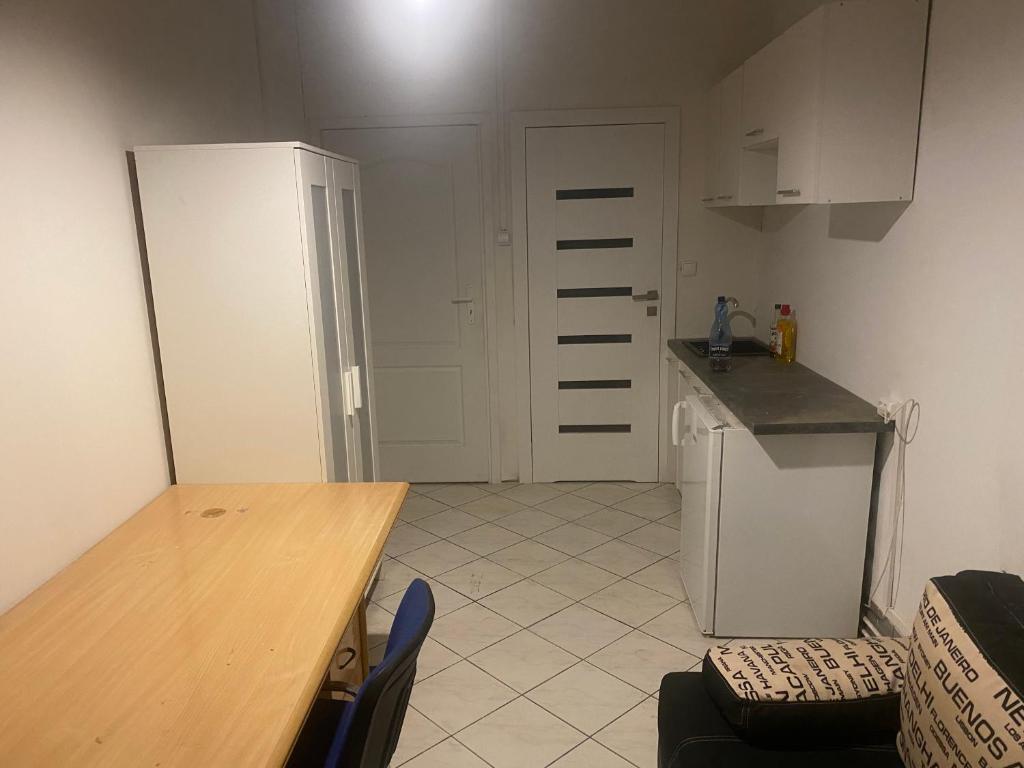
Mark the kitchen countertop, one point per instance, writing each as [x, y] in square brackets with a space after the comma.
[775, 399]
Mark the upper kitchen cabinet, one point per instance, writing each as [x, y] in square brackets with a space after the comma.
[722, 166]
[829, 110]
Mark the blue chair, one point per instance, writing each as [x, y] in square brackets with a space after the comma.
[364, 733]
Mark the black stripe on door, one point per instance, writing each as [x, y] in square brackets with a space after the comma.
[597, 242]
[566, 429]
[590, 293]
[593, 193]
[597, 384]
[597, 338]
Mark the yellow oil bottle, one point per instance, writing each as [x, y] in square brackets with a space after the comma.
[787, 335]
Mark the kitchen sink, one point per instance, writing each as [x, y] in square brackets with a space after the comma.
[746, 347]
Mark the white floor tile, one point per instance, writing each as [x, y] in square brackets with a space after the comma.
[648, 506]
[641, 660]
[572, 539]
[471, 629]
[437, 558]
[630, 603]
[448, 523]
[415, 507]
[634, 735]
[423, 488]
[448, 754]
[485, 539]
[520, 735]
[662, 576]
[580, 630]
[406, 538]
[665, 491]
[528, 557]
[378, 624]
[418, 735]
[672, 520]
[454, 495]
[678, 627]
[529, 522]
[531, 494]
[527, 602]
[459, 695]
[611, 522]
[569, 506]
[585, 697]
[654, 537]
[433, 658]
[446, 599]
[590, 754]
[619, 557]
[394, 578]
[607, 493]
[575, 579]
[523, 660]
[492, 507]
[567, 486]
[479, 578]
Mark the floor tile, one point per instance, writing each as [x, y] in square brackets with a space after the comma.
[523, 660]
[678, 627]
[448, 754]
[569, 506]
[630, 603]
[641, 660]
[492, 487]
[529, 522]
[446, 599]
[448, 523]
[655, 537]
[672, 520]
[492, 507]
[485, 539]
[378, 624]
[415, 507]
[437, 558]
[619, 557]
[531, 494]
[479, 578]
[575, 579]
[606, 493]
[665, 491]
[459, 695]
[567, 486]
[520, 735]
[634, 736]
[528, 557]
[394, 578]
[423, 488]
[580, 630]
[572, 539]
[526, 603]
[471, 629]
[585, 697]
[647, 506]
[642, 487]
[433, 658]
[590, 754]
[662, 576]
[418, 735]
[407, 538]
[454, 495]
[611, 522]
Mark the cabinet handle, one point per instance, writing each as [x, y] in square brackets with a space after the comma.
[707, 199]
[724, 197]
[357, 388]
[754, 132]
[793, 192]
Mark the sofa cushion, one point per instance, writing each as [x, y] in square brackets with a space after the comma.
[692, 733]
[963, 702]
[809, 691]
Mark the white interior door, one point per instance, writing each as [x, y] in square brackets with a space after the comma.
[594, 211]
[422, 198]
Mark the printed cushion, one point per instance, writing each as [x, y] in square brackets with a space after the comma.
[809, 692]
[962, 705]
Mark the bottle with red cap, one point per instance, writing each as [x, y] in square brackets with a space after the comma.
[786, 344]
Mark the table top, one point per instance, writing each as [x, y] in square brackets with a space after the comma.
[197, 633]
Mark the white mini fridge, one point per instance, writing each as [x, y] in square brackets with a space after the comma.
[256, 259]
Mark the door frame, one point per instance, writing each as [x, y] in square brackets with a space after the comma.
[564, 118]
[486, 127]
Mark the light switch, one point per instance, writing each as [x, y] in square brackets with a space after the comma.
[504, 237]
[688, 268]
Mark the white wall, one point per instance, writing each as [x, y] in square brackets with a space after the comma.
[930, 307]
[403, 57]
[81, 441]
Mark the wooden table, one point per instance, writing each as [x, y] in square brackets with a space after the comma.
[196, 634]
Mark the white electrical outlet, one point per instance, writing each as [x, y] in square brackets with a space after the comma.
[688, 268]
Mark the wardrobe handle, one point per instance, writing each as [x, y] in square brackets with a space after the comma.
[792, 192]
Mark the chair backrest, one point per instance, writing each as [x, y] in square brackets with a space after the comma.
[368, 733]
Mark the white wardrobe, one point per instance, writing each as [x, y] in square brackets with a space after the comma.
[259, 290]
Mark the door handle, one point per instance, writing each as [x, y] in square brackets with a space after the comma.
[357, 388]
[462, 300]
[649, 296]
[676, 410]
[347, 393]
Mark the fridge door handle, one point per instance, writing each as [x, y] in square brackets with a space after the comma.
[357, 387]
[677, 409]
[347, 393]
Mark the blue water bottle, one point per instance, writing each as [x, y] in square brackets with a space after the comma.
[720, 338]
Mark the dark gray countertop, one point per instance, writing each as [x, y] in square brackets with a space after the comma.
[775, 399]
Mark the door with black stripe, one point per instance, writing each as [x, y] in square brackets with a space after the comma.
[594, 216]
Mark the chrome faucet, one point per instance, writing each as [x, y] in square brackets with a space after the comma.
[733, 302]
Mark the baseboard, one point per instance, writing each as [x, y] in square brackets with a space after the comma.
[876, 622]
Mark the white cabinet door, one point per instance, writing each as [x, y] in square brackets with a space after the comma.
[712, 144]
[730, 141]
[595, 197]
[422, 194]
[760, 80]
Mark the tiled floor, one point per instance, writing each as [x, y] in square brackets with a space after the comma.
[559, 608]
